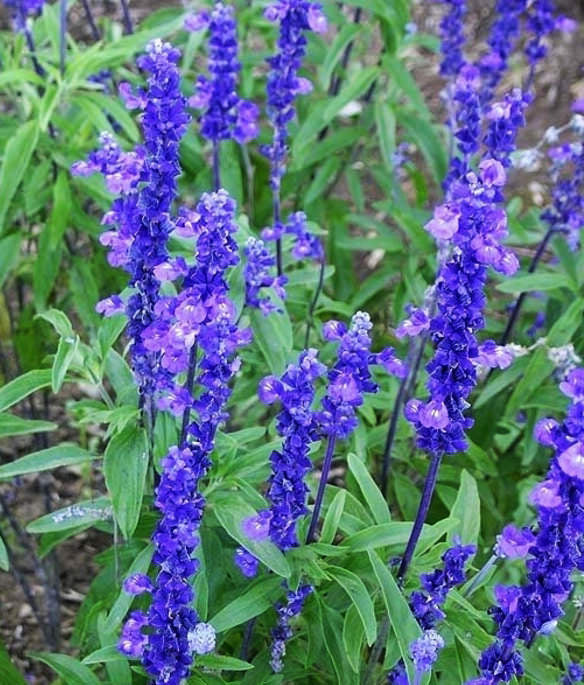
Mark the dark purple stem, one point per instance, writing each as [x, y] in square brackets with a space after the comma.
[519, 302]
[127, 18]
[326, 467]
[90, 20]
[189, 385]
[314, 302]
[216, 166]
[429, 486]
[276, 207]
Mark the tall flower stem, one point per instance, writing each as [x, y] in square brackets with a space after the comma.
[91, 20]
[277, 219]
[405, 389]
[520, 300]
[62, 35]
[32, 49]
[189, 385]
[326, 467]
[477, 580]
[216, 166]
[127, 18]
[313, 303]
[427, 493]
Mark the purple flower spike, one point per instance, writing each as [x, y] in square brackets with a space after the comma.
[296, 18]
[225, 114]
[424, 651]
[258, 273]
[283, 632]
[513, 542]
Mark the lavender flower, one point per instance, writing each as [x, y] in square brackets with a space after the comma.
[225, 114]
[22, 9]
[295, 18]
[535, 607]
[574, 675]
[305, 244]
[452, 37]
[257, 275]
[296, 423]
[424, 651]
[204, 305]
[283, 632]
[541, 21]
[246, 562]
[513, 542]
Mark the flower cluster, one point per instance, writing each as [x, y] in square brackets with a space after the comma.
[305, 244]
[257, 273]
[146, 180]
[534, 608]
[574, 675]
[452, 37]
[295, 18]
[200, 317]
[426, 606]
[225, 114]
[475, 227]
[296, 423]
[22, 9]
[351, 377]
[283, 632]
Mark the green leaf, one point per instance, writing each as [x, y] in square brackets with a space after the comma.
[65, 354]
[359, 595]
[9, 249]
[104, 655]
[353, 635]
[87, 512]
[538, 369]
[564, 328]
[273, 335]
[333, 517]
[385, 124]
[4, 561]
[120, 608]
[356, 86]
[59, 321]
[526, 284]
[217, 662]
[15, 425]
[371, 493]
[406, 83]
[17, 155]
[8, 671]
[24, 385]
[467, 509]
[394, 534]
[250, 603]
[425, 137]
[51, 458]
[230, 512]
[335, 52]
[405, 626]
[125, 467]
[72, 671]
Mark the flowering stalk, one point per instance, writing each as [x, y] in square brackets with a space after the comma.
[62, 35]
[128, 27]
[91, 20]
[535, 607]
[205, 312]
[295, 18]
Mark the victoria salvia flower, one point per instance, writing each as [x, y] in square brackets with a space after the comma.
[574, 675]
[295, 19]
[258, 273]
[146, 181]
[283, 632]
[426, 605]
[554, 553]
[174, 632]
[452, 37]
[305, 244]
[225, 114]
[22, 9]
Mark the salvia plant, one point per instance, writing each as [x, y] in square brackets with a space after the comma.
[290, 343]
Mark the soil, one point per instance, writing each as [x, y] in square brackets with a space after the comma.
[73, 562]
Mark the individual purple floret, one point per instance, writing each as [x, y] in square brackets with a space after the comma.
[493, 356]
[296, 424]
[246, 562]
[225, 114]
[258, 274]
[283, 632]
[535, 607]
[417, 321]
[513, 542]
[137, 584]
[295, 18]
